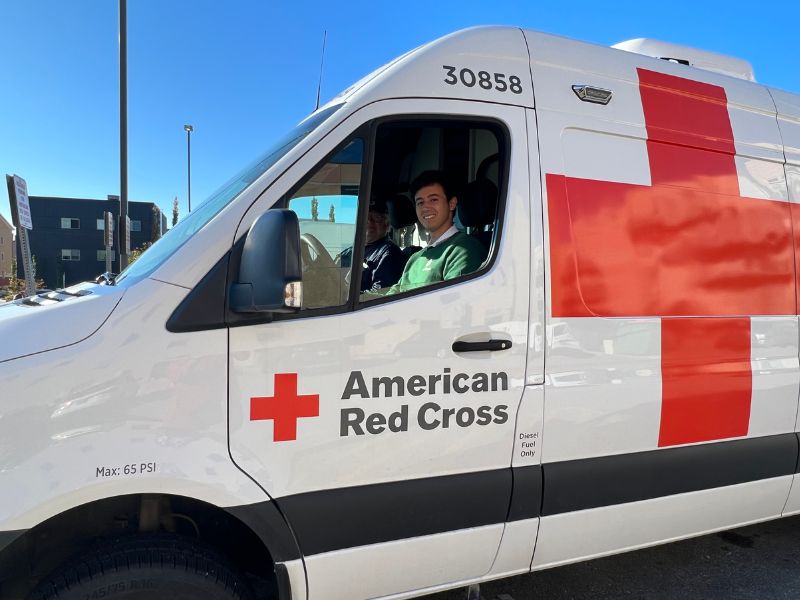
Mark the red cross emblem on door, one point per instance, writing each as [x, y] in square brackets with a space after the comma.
[284, 408]
[687, 246]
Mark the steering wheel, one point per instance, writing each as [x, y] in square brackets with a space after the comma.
[321, 275]
[322, 260]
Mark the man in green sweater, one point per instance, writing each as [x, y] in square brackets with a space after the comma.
[450, 253]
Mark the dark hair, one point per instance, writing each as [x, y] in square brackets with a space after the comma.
[427, 178]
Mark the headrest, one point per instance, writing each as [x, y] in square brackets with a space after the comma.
[401, 211]
[477, 204]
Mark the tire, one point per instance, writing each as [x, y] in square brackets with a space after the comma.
[146, 568]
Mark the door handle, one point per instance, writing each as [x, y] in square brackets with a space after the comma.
[490, 346]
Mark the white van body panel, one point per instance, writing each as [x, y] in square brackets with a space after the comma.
[421, 73]
[609, 143]
[163, 406]
[330, 576]
[775, 374]
[66, 319]
[538, 313]
[558, 63]
[516, 552]
[582, 535]
[296, 571]
[788, 107]
[528, 434]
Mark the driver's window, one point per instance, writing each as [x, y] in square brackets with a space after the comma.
[326, 204]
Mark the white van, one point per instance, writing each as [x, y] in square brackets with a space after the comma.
[233, 419]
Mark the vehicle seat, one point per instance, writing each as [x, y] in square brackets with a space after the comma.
[489, 168]
[477, 209]
[402, 214]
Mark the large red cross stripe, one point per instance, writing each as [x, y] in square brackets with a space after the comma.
[285, 407]
[689, 245]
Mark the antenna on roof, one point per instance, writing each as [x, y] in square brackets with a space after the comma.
[321, 63]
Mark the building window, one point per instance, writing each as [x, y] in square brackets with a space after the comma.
[136, 225]
[70, 254]
[67, 223]
[101, 256]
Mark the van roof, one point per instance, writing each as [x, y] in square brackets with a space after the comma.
[508, 51]
[701, 59]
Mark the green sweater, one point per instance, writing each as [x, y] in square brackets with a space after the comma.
[459, 255]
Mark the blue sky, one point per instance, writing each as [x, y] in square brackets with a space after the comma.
[242, 72]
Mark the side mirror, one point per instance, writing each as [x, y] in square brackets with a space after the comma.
[270, 272]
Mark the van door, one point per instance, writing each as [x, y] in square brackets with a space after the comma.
[387, 445]
[672, 372]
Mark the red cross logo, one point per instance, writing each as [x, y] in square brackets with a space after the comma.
[285, 407]
[689, 245]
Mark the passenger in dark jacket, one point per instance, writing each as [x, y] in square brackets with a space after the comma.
[383, 259]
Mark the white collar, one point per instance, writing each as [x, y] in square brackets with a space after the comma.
[445, 236]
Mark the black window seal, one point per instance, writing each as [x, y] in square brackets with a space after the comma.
[367, 132]
[504, 149]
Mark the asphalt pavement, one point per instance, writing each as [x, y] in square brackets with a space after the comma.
[759, 562]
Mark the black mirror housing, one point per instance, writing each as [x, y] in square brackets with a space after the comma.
[270, 264]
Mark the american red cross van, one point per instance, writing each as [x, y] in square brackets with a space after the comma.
[232, 418]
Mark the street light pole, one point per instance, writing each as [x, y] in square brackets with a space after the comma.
[123, 132]
[189, 129]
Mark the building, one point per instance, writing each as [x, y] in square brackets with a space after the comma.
[67, 236]
[6, 248]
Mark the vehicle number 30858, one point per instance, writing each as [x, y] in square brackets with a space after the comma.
[483, 79]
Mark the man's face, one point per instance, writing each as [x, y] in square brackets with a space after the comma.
[377, 226]
[434, 210]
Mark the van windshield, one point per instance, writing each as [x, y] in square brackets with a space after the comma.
[208, 209]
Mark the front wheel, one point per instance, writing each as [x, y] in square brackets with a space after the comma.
[146, 568]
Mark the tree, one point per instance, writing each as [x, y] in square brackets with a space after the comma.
[175, 211]
[137, 252]
[16, 286]
[14, 280]
[332, 214]
[314, 209]
[38, 283]
[155, 226]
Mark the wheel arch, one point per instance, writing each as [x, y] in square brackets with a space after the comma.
[253, 537]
